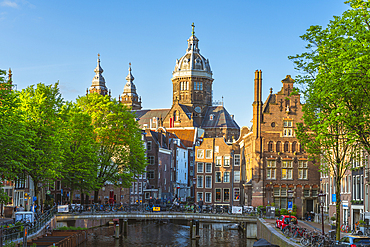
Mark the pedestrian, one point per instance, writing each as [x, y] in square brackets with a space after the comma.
[200, 203]
[13, 213]
[21, 208]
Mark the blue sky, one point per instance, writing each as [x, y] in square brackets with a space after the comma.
[49, 41]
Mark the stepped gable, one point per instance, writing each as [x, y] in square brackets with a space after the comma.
[220, 119]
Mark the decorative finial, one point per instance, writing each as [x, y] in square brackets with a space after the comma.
[98, 56]
[271, 90]
[129, 67]
[192, 25]
[222, 100]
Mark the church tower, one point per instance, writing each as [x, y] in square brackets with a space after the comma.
[98, 82]
[129, 96]
[192, 79]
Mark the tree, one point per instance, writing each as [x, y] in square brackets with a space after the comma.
[335, 76]
[12, 131]
[121, 152]
[41, 111]
[79, 166]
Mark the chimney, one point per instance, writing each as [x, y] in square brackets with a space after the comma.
[232, 117]
[150, 123]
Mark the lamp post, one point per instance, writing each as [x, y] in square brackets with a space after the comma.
[322, 198]
[290, 197]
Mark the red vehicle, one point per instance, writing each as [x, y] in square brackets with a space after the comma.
[283, 221]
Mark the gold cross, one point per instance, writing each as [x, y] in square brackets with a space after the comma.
[193, 28]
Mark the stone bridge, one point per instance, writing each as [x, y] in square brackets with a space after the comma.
[247, 223]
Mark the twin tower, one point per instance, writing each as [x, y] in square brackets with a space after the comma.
[129, 96]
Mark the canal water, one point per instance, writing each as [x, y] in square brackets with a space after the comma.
[151, 233]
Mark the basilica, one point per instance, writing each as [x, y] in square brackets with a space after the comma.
[192, 107]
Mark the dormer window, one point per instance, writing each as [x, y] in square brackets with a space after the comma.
[211, 117]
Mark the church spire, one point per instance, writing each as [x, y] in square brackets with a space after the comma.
[130, 78]
[129, 96]
[98, 82]
[10, 79]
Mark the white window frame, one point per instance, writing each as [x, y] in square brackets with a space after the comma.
[234, 190]
[210, 183]
[208, 165]
[228, 176]
[208, 153]
[200, 167]
[200, 185]
[226, 161]
[218, 172]
[218, 161]
[200, 154]
[210, 197]
[236, 159]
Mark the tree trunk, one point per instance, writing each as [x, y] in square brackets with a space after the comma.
[337, 206]
[96, 195]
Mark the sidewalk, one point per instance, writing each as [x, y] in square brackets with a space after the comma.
[309, 226]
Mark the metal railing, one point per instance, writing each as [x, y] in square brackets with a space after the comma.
[16, 231]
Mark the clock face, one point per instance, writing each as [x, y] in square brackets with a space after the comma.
[197, 109]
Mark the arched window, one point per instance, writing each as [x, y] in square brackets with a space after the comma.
[270, 146]
[278, 146]
[294, 147]
[286, 147]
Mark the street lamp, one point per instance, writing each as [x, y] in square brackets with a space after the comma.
[290, 197]
[322, 199]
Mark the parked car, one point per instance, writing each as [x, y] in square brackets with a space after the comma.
[284, 220]
[352, 240]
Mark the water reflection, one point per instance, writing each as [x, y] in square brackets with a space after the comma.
[150, 233]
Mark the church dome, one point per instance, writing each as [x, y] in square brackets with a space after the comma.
[192, 63]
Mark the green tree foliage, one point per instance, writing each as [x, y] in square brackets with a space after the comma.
[79, 163]
[41, 108]
[121, 152]
[335, 75]
[12, 131]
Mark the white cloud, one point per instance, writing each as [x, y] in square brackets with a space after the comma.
[8, 3]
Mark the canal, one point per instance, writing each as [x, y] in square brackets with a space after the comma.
[152, 233]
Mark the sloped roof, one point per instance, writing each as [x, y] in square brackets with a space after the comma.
[221, 118]
[144, 116]
[185, 135]
[271, 99]
[187, 109]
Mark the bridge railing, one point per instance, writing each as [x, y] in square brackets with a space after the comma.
[110, 208]
[14, 232]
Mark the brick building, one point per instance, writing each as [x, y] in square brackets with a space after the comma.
[274, 159]
[218, 173]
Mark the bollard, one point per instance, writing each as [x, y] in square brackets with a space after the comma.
[125, 226]
[193, 232]
[25, 237]
[120, 226]
[197, 228]
[116, 232]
